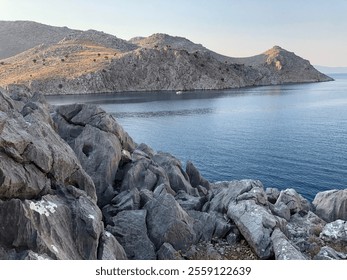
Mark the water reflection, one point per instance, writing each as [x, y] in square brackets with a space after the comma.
[188, 112]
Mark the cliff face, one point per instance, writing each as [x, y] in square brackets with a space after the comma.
[74, 185]
[95, 62]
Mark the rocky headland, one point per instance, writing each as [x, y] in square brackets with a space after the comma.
[74, 185]
[59, 60]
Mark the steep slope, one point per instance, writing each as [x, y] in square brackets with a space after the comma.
[82, 67]
[66, 59]
[279, 66]
[19, 36]
[276, 64]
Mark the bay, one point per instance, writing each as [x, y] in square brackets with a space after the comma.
[287, 136]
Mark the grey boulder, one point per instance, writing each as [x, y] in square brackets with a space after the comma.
[110, 248]
[167, 252]
[63, 226]
[256, 224]
[335, 232]
[331, 205]
[225, 193]
[328, 253]
[130, 230]
[178, 178]
[294, 201]
[283, 248]
[168, 222]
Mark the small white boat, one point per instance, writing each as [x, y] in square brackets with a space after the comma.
[179, 92]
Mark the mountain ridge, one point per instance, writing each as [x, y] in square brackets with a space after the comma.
[91, 61]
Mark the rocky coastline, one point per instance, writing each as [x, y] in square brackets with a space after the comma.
[74, 185]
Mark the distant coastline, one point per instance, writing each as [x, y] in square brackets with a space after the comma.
[331, 70]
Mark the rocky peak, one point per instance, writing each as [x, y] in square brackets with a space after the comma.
[161, 40]
[103, 39]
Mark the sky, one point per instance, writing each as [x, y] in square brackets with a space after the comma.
[314, 29]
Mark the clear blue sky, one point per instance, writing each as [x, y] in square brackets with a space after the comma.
[313, 29]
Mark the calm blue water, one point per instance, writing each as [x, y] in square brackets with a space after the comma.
[286, 136]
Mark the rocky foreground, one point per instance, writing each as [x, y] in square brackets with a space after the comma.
[74, 185]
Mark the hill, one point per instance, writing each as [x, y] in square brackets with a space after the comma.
[93, 62]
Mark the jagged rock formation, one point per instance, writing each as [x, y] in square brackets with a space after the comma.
[74, 185]
[95, 62]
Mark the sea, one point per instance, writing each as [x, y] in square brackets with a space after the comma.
[286, 136]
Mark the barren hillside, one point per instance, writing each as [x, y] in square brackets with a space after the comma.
[92, 62]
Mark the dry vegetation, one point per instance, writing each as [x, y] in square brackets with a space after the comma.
[69, 59]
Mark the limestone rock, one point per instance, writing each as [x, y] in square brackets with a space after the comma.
[23, 255]
[304, 231]
[327, 253]
[331, 205]
[335, 232]
[167, 252]
[223, 226]
[168, 222]
[33, 157]
[177, 176]
[204, 225]
[144, 174]
[256, 224]
[283, 248]
[63, 226]
[131, 231]
[189, 202]
[195, 177]
[281, 209]
[99, 153]
[229, 192]
[98, 141]
[127, 200]
[110, 249]
[145, 196]
[294, 201]
[272, 194]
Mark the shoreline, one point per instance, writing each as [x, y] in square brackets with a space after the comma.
[25, 88]
[76, 172]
